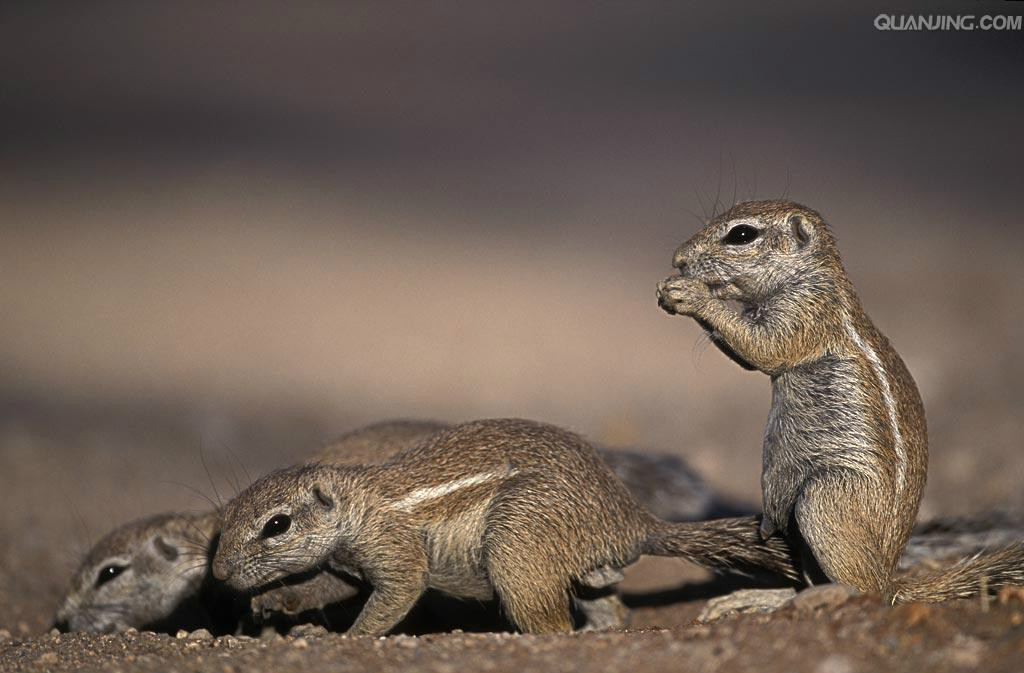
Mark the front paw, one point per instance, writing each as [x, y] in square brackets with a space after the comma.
[282, 600]
[683, 296]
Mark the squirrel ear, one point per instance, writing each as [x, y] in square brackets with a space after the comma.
[323, 497]
[803, 233]
[165, 548]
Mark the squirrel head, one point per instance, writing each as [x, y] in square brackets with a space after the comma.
[283, 524]
[138, 574]
[754, 249]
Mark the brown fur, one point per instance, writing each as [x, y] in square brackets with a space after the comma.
[846, 448]
[153, 590]
[508, 507]
[162, 563]
[166, 557]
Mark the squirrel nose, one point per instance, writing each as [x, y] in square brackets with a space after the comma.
[679, 260]
[221, 569]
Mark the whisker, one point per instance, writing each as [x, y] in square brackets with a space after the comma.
[209, 476]
[190, 488]
[231, 468]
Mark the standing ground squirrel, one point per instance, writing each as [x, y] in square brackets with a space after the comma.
[507, 507]
[845, 447]
[154, 572]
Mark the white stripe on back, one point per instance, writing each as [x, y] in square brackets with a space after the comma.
[421, 495]
[887, 397]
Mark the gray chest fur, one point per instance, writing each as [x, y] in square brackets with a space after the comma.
[819, 422]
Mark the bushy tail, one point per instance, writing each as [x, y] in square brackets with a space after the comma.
[732, 544]
[947, 538]
[965, 578]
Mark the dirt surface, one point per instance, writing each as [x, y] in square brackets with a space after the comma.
[855, 636]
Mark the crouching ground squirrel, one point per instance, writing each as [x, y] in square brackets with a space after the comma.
[154, 573]
[845, 447]
[508, 508]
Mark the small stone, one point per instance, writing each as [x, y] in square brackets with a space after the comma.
[182, 633]
[300, 643]
[47, 659]
[308, 630]
[4, 635]
[836, 663]
[823, 596]
[915, 613]
[745, 600]
[1010, 593]
[966, 651]
[55, 633]
[699, 631]
[200, 634]
[131, 631]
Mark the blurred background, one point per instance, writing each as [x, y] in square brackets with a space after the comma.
[229, 232]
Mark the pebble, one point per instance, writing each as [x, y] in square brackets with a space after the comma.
[55, 633]
[47, 658]
[182, 633]
[300, 643]
[836, 663]
[966, 651]
[308, 630]
[270, 635]
[4, 635]
[1010, 593]
[823, 596]
[745, 600]
[200, 634]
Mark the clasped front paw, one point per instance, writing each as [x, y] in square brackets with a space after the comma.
[683, 296]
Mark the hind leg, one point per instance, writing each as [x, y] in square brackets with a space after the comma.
[841, 523]
[533, 597]
[523, 556]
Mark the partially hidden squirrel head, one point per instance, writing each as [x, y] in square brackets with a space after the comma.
[138, 574]
[283, 524]
[757, 248]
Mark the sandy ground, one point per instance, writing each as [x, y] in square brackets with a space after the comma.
[855, 636]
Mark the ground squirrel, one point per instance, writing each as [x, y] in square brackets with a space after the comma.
[845, 447]
[508, 508]
[153, 573]
[149, 573]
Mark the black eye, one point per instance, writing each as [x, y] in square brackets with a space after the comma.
[109, 573]
[741, 234]
[278, 524]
